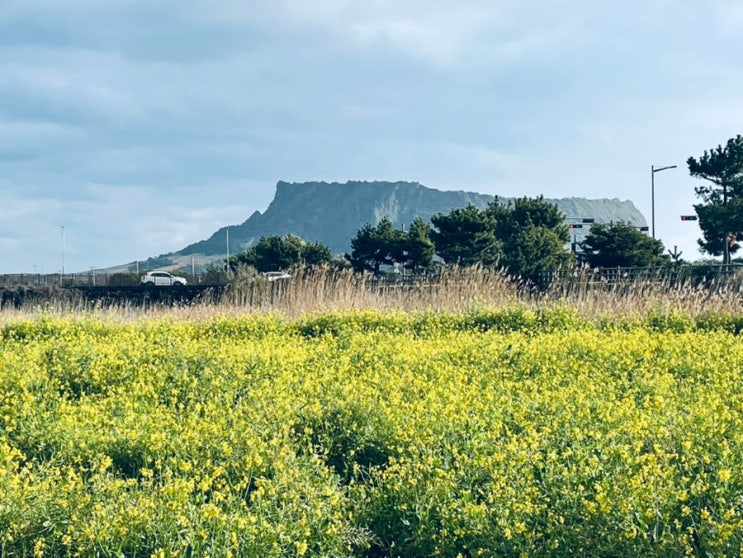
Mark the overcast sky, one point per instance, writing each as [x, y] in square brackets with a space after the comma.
[133, 128]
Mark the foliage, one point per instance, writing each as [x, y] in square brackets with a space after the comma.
[316, 254]
[466, 236]
[525, 237]
[215, 274]
[533, 235]
[275, 253]
[524, 212]
[621, 245]
[374, 246]
[721, 211]
[420, 249]
[491, 433]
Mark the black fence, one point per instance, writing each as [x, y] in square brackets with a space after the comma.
[97, 279]
[671, 275]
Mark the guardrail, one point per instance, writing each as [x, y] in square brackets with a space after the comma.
[94, 279]
[673, 274]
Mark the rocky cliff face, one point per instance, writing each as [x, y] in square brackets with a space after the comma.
[333, 213]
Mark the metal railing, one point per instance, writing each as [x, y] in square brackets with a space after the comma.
[674, 274]
[95, 279]
[671, 274]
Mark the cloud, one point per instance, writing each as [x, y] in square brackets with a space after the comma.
[129, 223]
[143, 126]
[433, 31]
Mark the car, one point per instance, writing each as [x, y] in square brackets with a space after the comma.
[162, 278]
[276, 275]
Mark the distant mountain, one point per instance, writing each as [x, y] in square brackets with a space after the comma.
[332, 213]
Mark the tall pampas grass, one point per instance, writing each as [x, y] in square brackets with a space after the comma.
[313, 290]
[453, 290]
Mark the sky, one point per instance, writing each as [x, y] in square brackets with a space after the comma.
[132, 128]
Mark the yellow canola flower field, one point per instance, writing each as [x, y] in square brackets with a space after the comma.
[494, 433]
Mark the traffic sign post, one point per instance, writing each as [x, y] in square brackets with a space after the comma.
[580, 221]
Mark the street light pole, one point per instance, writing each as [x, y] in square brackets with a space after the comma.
[653, 170]
[62, 250]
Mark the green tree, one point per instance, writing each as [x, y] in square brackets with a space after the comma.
[528, 212]
[533, 235]
[466, 236]
[419, 247]
[621, 245]
[275, 252]
[374, 246]
[316, 254]
[526, 236]
[533, 251]
[721, 211]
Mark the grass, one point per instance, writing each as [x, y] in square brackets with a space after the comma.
[324, 416]
[457, 290]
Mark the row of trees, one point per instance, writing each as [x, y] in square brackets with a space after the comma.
[524, 237]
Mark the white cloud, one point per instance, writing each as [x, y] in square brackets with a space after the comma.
[435, 31]
[487, 160]
[129, 223]
[143, 126]
[96, 84]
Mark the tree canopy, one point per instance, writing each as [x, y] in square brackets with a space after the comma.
[273, 253]
[466, 236]
[621, 245]
[721, 209]
[525, 237]
[374, 246]
[533, 236]
[420, 249]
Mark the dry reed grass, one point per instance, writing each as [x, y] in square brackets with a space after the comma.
[328, 290]
[456, 290]
[722, 295]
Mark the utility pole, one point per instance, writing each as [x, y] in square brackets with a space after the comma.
[62, 274]
[728, 239]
